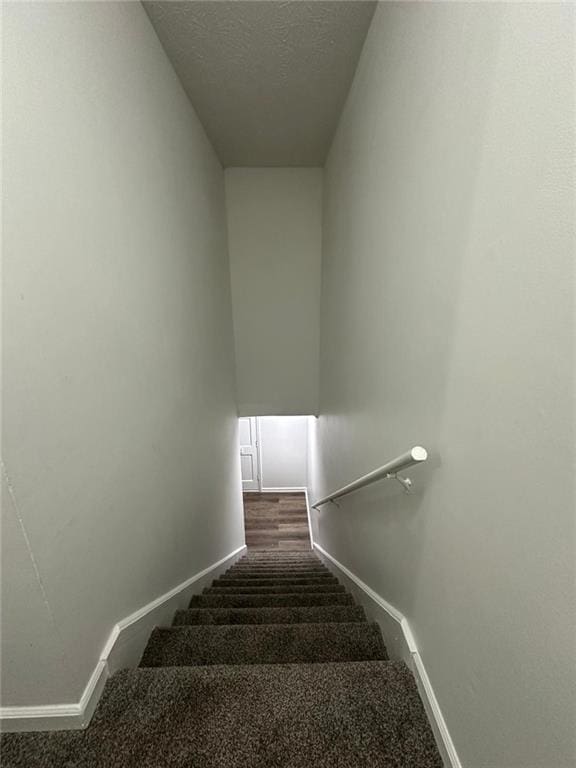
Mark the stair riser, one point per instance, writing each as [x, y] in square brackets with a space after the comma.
[256, 582]
[293, 615]
[264, 644]
[275, 573]
[309, 561]
[255, 601]
[278, 589]
[270, 567]
[312, 564]
[279, 553]
[280, 561]
[278, 575]
[282, 566]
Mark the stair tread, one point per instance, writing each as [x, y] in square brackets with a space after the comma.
[333, 715]
[263, 644]
[278, 615]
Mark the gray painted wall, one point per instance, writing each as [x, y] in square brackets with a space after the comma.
[120, 428]
[447, 321]
[275, 242]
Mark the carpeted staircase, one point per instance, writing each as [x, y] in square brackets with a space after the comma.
[273, 665]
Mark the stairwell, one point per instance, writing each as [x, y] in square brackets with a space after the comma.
[273, 665]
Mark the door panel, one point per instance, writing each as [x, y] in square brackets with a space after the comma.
[249, 459]
[245, 431]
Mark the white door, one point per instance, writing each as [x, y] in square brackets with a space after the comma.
[249, 460]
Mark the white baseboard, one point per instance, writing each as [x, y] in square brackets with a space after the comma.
[308, 512]
[294, 489]
[123, 648]
[401, 644]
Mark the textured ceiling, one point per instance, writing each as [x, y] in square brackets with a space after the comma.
[268, 78]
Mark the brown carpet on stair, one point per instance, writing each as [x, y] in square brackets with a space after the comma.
[269, 678]
[263, 644]
[286, 615]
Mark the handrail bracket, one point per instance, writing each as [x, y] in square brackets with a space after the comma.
[405, 482]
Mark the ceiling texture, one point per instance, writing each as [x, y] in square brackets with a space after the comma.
[267, 78]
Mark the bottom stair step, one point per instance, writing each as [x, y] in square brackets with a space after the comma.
[287, 615]
[263, 644]
[350, 715]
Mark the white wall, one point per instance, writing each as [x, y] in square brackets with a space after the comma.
[284, 451]
[120, 428]
[446, 321]
[274, 233]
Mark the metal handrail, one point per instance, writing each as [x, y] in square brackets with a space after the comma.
[387, 471]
